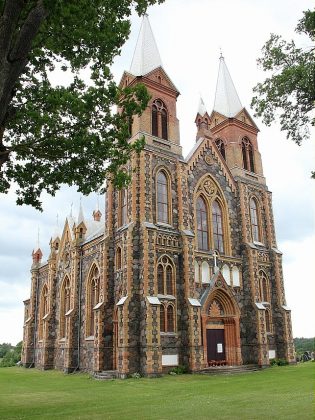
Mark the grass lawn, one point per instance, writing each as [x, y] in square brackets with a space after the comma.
[275, 393]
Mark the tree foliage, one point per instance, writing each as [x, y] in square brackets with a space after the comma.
[10, 355]
[66, 133]
[289, 92]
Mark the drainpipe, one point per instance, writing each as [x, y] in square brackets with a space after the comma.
[79, 309]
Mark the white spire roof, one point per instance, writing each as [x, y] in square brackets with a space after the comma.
[146, 56]
[56, 233]
[81, 215]
[226, 100]
[202, 107]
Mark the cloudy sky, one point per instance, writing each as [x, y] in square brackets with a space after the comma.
[190, 34]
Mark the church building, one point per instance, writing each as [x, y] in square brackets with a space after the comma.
[183, 268]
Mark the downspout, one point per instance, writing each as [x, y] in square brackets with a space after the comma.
[35, 321]
[79, 309]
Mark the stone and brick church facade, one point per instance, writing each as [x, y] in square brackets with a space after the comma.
[184, 270]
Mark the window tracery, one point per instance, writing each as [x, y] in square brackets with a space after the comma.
[248, 155]
[93, 297]
[264, 289]
[202, 224]
[165, 276]
[217, 227]
[159, 119]
[167, 318]
[65, 304]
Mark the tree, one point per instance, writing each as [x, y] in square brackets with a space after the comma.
[70, 134]
[290, 90]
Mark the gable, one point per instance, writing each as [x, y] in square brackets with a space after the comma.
[246, 118]
[160, 77]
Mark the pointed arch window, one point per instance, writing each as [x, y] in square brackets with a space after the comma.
[165, 277]
[162, 198]
[162, 318]
[65, 304]
[170, 318]
[43, 311]
[254, 220]
[220, 145]
[93, 296]
[217, 227]
[248, 155]
[159, 119]
[268, 321]
[118, 258]
[264, 289]
[202, 224]
[122, 207]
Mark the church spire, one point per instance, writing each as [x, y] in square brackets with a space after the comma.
[146, 56]
[226, 100]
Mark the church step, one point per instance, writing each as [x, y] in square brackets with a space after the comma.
[105, 375]
[226, 370]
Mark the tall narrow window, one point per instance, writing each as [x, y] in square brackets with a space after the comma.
[160, 279]
[43, 310]
[164, 124]
[254, 220]
[202, 225]
[220, 145]
[162, 198]
[123, 207]
[169, 280]
[94, 298]
[118, 258]
[248, 155]
[65, 302]
[155, 120]
[217, 227]
[159, 119]
[264, 287]
[170, 319]
[267, 319]
[162, 318]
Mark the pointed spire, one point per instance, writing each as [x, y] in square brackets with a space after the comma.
[146, 56]
[202, 107]
[226, 100]
[81, 215]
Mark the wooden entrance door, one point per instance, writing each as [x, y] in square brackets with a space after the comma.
[215, 345]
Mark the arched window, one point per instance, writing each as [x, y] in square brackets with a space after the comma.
[164, 124]
[162, 318]
[217, 227]
[170, 319]
[205, 272]
[43, 310]
[162, 198]
[202, 225]
[169, 280]
[197, 272]
[254, 220]
[226, 274]
[248, 155]
[236, 276]
[65, 303]
[159, 119]
[165, 276]
[93, 295]
[118, 258]
[155, 131]
[268, 321]
[264, 287]
[122, 217]
[220, 145]
[160, 279]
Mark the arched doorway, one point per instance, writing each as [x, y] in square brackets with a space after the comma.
[221, 332]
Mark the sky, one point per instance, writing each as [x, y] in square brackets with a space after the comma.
[190, 35]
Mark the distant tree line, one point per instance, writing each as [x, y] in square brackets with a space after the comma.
[10, 355]
[304, 344]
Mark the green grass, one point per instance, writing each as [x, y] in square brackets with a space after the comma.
[275, 393]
